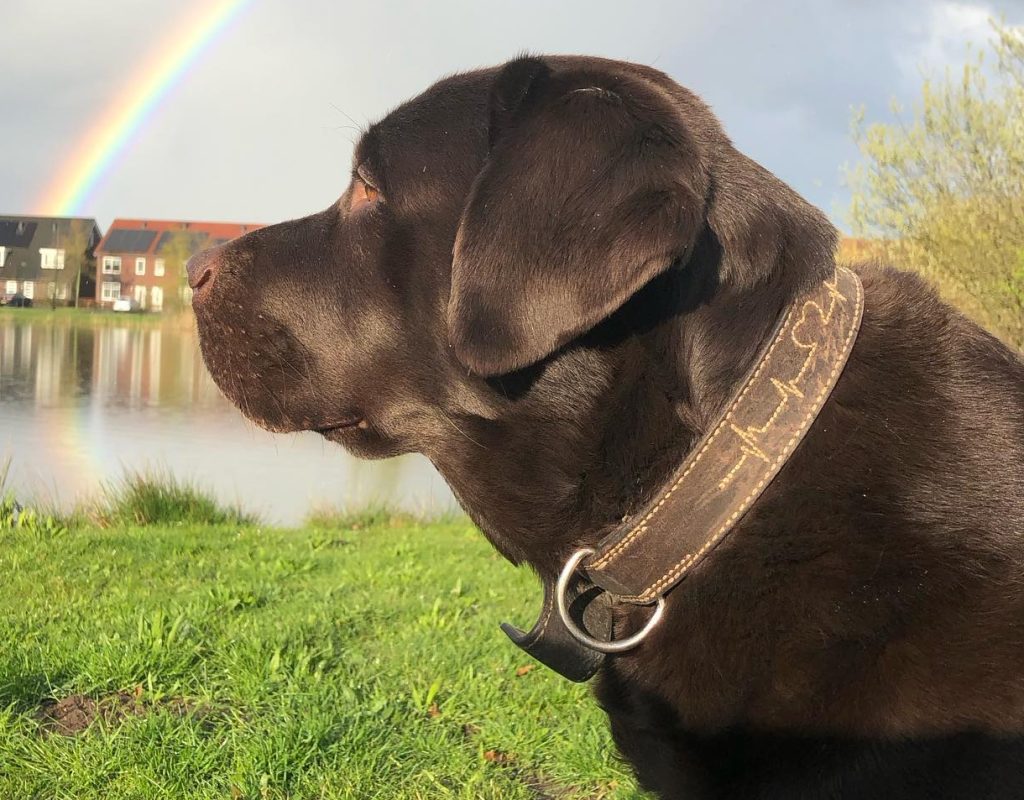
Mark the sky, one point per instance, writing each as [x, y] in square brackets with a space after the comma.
[261, 127]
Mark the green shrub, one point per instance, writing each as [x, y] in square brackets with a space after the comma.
[15, 518]
[161, 499]
[375, 515]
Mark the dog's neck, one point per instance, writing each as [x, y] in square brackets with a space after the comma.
[668, 361]
[541, 480]
[681, 375]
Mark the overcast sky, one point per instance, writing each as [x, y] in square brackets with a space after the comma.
[260, 128]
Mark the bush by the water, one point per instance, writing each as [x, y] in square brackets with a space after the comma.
[376, 515]
[161, 499]
[14, 517]
[942, 191]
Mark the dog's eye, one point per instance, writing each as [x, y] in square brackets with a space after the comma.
[362, 195]
[364, 192]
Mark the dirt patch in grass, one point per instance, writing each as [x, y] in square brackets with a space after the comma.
[73, 715]
[540, 786]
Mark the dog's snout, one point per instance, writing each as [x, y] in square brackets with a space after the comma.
[202, 268]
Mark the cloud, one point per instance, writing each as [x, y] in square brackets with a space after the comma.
[944, 29]
[262, 128]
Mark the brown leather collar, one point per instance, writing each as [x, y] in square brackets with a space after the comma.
[717, 483]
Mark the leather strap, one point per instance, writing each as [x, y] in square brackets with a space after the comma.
[729, 469]
[550, 642]
[720, 479]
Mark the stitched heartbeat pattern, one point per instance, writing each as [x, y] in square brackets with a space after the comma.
[750, 436]
[700, 506]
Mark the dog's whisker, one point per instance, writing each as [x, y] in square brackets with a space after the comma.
[457, 428]
[355, 125]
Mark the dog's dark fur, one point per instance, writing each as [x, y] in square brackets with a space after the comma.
[566, 271]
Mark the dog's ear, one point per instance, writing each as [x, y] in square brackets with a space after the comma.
[592, 187]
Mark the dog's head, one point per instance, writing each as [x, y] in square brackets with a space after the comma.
[474, 292]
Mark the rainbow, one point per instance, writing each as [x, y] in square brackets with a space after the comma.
[79, 177]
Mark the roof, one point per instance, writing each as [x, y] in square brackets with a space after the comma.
[29, 232]
[151, 236]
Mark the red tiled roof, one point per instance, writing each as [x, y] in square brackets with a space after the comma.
[214, 230]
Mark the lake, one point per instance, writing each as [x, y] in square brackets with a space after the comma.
[80, 403]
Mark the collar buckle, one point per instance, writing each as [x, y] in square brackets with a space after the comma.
[616, 646]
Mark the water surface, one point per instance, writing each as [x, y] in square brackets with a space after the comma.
[80, 403]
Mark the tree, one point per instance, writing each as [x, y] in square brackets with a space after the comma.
[943, 192]
[78, 260]
[179, 247]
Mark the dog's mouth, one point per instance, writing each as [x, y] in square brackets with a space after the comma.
[336, 430]
[349, 423]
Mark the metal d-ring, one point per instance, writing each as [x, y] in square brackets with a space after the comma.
[619, 646]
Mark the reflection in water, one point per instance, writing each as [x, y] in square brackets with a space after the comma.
[79, 404]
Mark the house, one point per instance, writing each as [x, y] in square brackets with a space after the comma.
[47, 259]
[144, 259]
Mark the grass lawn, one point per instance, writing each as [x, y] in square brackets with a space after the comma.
[234, 661]
[94, 317]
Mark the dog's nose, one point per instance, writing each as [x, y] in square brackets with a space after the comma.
[202, 268]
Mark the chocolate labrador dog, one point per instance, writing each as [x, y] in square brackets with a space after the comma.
[549, 278]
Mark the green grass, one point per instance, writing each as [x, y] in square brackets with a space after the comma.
[264, 663]
[374, 516]
[154, 498]
[94, 317]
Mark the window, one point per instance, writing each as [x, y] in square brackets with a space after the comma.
[158, 267]
[28, 289]
[3, 256]
[62, 291]
[12, 287]
[157, 298]
[51, 258]
[140, 266]
[111, 265]
[110, 291]
[140, 296]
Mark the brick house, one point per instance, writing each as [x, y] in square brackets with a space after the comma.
[47, 259]
[144, 259]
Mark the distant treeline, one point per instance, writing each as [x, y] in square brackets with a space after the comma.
[942, 191]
